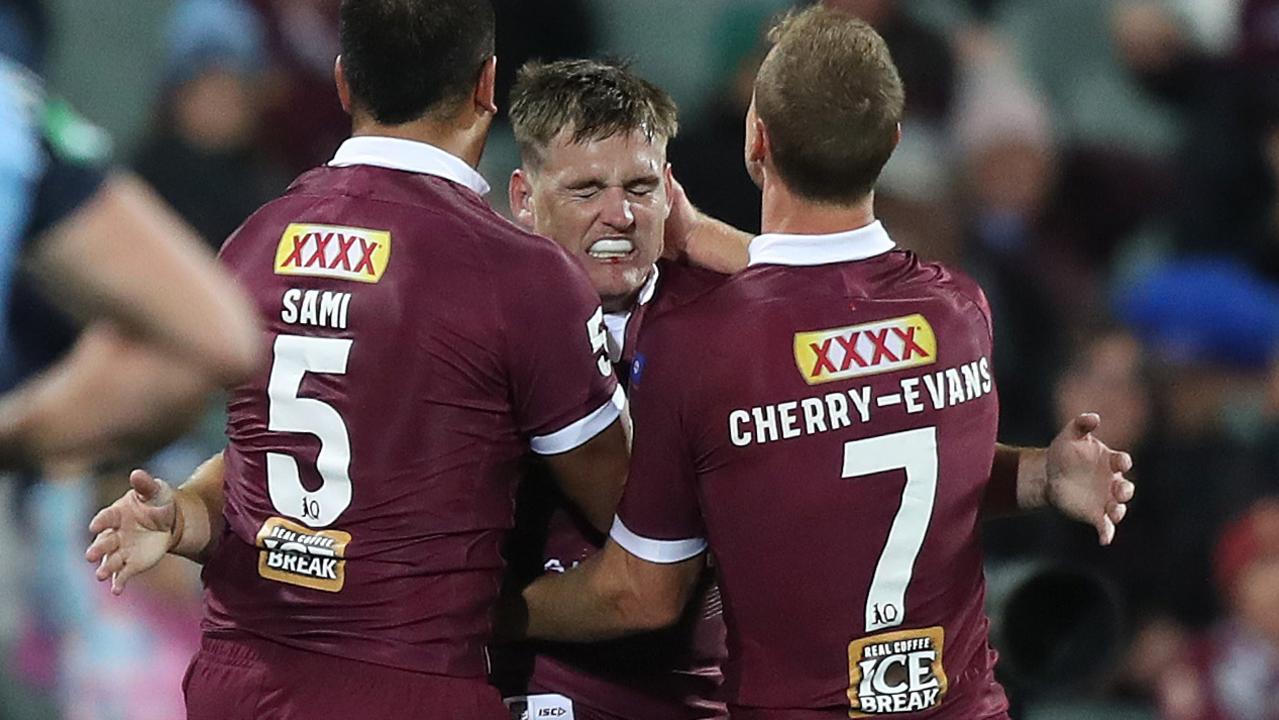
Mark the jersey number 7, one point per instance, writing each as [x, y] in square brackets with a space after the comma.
[916, 452]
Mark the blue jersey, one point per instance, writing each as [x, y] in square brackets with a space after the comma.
[21, 165]
[50, 165]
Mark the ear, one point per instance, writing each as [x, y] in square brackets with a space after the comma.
[897, 140]
[668, 177]
[486, 87]
[520, 197]
[344, 88]
[758, 145]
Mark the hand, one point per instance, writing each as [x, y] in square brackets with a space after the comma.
[135, 532]
[680, 223]
[1085, 479]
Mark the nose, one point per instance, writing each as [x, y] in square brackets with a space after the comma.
[617, 212]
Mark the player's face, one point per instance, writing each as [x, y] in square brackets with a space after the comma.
[604, 201]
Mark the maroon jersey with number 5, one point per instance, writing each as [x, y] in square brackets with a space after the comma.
[420, 345]
[826, 420]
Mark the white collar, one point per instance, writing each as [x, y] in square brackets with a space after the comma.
[409, 156]
[860, 244]
[650, 287]
[616, 322]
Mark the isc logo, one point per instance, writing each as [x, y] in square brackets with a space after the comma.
[343, 253]
[869, 349]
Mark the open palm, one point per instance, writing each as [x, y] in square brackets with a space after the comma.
[133, 533]
[1086, 478]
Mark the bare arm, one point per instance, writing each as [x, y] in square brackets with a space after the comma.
[126, 257]
[593, 475]
[697, 238]
[200, 502]
[1078, 475]
[613, 593]
[110, 399]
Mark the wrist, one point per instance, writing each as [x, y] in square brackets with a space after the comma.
[1032, 479]
[178, 529]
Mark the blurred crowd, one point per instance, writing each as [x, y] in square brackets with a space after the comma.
[1108, 169]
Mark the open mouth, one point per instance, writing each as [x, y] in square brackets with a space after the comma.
[611, 249]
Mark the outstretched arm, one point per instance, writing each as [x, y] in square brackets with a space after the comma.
[126, 257]
[111, 398]
[169, 325]
[1077, 474]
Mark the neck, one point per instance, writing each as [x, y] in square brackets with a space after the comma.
[462, 139]
[785, 212]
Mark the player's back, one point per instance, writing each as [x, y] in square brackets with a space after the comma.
[370, 472]
[841, 417]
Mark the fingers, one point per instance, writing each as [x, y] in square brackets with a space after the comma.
[677, 189]
[107, 542]
[1120, 462]
[1122, 490]
[110, 565]
[1105, 531]
[1083, 424]
[121, 578]
[107, 519]
[1116, 512]
[146, 486]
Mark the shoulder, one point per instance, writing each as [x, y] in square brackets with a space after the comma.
[679, 285]
[964, 287]
[948, 283]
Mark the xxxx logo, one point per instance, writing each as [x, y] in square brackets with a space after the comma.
[345, 253]
[878, 347]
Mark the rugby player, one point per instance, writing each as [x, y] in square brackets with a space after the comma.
[79, 232]
[825, 423]
[420, 345]
[594, 178]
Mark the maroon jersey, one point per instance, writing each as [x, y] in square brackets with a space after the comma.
[826, 421]
[420, 345]
[672, 674]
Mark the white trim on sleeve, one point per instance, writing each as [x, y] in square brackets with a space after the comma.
[656, 551]
[576, 434]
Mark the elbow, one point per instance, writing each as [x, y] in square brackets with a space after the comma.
[643, 612]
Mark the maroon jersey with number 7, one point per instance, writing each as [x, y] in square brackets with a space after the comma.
[419, 346]
[826, 421]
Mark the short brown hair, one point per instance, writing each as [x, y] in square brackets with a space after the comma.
[594, 99]
[831, 98]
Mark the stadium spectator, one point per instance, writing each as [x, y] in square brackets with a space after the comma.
[302, 122]
[1231, 672]
[202, 156]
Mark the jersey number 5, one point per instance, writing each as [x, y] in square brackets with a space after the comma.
[916, 452]
[294, 357]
